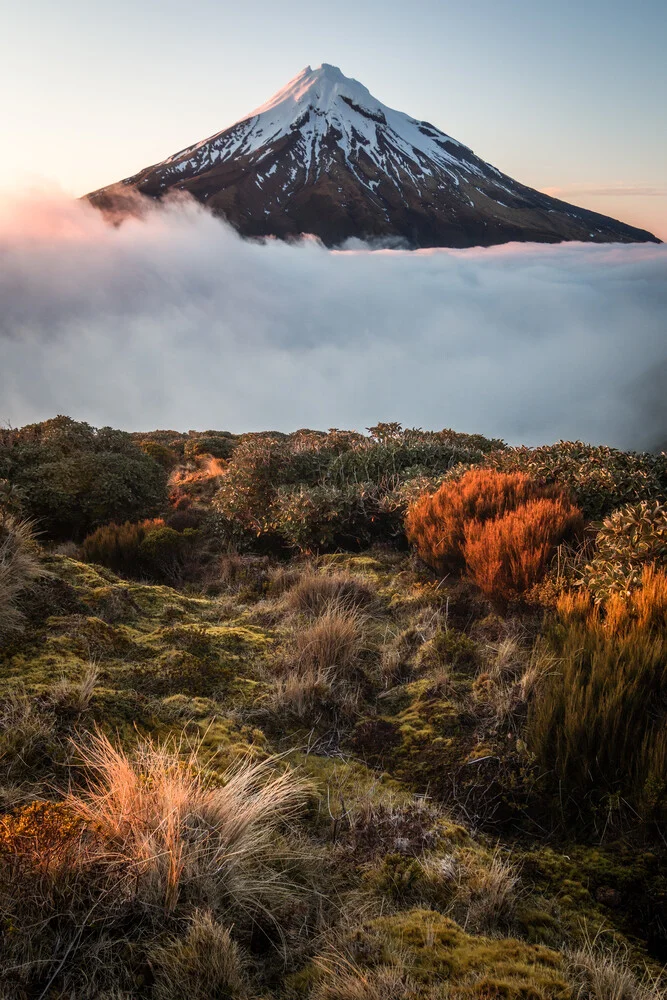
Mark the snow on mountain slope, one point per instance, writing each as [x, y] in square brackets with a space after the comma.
[324, 156]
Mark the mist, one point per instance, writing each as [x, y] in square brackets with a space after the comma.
[174, 321]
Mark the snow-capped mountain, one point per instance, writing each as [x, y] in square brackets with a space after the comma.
[324, 156]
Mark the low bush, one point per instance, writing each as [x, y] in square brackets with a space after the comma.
[141, 549]
[508, 555]
[501, 527]
[315, 491]
[161, 453]
[74, 477]
[436, 523]
[628, 540]
[217, 445]
[599, 478]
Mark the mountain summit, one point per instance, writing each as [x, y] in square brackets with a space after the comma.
[324, 156]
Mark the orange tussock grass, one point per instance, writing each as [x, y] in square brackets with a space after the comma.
[643, 609]
[435, 524]
[182, 837]
[506, 556]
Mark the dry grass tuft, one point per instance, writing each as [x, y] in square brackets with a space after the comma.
[186, 839]
[511, 674]
[303, 694]
[480, 894]
[342, 979]
[334, 641]
[314, 592]
[75, 696]
[602, 972]
[205, 963]
[19, 566]
[322, 671]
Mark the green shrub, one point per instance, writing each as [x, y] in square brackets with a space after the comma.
[315, 491]
[161, 453]
[140, 549]
[630, 539]
[326, 518]
[599, 478]
[73, 477]
[218, 445]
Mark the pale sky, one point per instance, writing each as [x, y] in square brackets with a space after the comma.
[568, 97]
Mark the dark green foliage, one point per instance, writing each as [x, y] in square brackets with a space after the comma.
[315, 491]
[163, 455]
[631, 538]
[218, 445]
[73, 477]
[600, 478]
[140, 549]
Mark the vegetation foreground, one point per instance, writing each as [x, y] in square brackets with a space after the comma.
[331, 717]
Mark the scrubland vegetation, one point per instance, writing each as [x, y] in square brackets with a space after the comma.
[331, 716]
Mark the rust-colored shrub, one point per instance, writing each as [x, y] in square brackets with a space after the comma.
[506, 556]
[436, 523]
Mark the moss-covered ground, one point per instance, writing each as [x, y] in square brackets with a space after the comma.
[421, 844]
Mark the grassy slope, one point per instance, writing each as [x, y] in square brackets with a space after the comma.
[426, 724]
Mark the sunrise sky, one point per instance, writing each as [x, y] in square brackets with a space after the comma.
[568, 97]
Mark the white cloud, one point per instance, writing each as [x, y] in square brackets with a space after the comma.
[176, 322]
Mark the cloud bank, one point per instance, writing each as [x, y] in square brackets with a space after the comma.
[174, 321]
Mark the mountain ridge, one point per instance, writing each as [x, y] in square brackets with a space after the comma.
[325, 157]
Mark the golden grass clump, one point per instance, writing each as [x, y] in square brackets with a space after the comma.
[184, 838]
[322, 670]
[333, 641]
[598, 722]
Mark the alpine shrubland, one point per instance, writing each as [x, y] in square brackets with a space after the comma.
[330, 716]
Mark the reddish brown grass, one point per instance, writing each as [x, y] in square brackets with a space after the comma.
[436, 523]
[506, 556]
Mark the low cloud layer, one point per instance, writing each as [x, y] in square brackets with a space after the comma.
[176, 322]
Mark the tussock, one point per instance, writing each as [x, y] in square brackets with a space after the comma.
[184, 838]
[316, 591]
[205, 963]
[19, 566]
[601, 971]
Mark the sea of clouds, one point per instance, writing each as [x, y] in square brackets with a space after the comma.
[174, 321]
